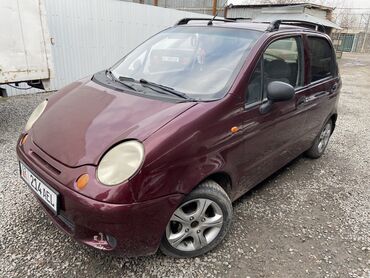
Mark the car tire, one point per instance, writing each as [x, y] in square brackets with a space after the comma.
[199, 223]
[321, 141]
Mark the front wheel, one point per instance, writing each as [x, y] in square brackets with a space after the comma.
[199, 223]
[321, 141]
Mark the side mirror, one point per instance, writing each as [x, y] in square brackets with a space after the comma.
[277, 91]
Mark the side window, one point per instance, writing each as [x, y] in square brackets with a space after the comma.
[282, 62]
[254, 89]
[321, 57]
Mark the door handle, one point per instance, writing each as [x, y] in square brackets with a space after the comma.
[334, 88]
[301, 101]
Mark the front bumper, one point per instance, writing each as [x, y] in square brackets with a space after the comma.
[124, 229]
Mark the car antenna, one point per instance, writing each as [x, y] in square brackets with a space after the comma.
[213, 18]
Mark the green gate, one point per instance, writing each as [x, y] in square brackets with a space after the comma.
[346, 42]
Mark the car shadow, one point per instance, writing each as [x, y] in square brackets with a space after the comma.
[267, 182]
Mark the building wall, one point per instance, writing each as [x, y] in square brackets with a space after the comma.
[91, 35]
[243, 12]
[318, 13]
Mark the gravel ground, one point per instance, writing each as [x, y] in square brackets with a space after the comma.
[311, 219]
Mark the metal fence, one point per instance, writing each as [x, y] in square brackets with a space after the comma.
[351, 41]
[91, 35]
[355, 35]
[195, 6]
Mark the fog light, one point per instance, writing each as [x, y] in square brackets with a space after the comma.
[82, 181]
[102, 240]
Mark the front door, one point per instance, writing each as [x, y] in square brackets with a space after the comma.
[273, 139]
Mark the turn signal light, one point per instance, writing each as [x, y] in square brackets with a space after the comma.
[24, 139]
[234, 129]
[82, 181]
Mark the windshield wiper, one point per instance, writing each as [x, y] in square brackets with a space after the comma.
[163, 89]
[121, 80]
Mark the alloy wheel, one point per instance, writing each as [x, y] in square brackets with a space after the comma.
[194, 225]
[324, 137]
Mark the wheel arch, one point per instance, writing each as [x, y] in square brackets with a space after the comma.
[223, 179]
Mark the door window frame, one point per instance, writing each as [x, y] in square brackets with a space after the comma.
[333, 61]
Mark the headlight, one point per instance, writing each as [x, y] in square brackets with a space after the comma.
[120, 163]
[35, 115]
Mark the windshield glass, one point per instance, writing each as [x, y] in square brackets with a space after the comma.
[201, 62]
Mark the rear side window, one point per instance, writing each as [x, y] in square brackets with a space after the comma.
[322, 58]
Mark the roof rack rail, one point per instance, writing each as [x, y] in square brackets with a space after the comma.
[275, 25]
[187, 19]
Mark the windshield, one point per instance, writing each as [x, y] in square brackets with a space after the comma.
[201, 62]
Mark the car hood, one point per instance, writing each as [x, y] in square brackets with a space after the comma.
[83, 120]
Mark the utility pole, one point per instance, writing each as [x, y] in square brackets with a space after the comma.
[214, 7]
[366, 31]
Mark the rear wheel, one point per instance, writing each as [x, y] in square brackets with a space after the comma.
[199, 223]
[321, 141]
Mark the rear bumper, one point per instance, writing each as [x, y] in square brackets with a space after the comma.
[124, 229]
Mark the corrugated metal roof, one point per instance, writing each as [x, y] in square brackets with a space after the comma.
[296, 16]
[308, 5]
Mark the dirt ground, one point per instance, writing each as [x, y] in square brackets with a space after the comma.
[311, 219]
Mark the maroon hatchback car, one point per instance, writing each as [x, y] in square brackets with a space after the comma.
[151, 153]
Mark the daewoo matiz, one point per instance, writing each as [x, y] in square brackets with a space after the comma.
[151, 153]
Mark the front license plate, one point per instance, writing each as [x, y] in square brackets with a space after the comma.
[48, 195]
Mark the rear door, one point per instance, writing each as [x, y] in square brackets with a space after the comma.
[322, 84]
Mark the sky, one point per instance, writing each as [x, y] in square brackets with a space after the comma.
[362, 4]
